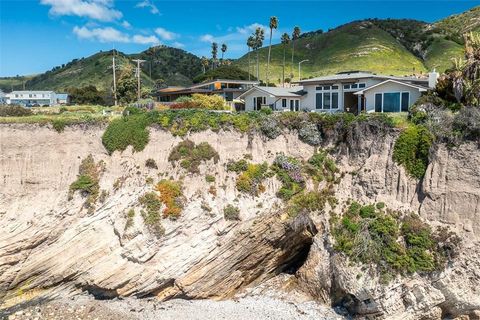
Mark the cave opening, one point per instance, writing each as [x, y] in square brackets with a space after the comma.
[100, 293]
[297, 260]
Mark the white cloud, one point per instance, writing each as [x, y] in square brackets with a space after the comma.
[101, 10]
[126, 24]
[178, 45]
[207, 38]
[250, 28]
[107, 34]
[149, 5]
[165, 34]
[145, 39]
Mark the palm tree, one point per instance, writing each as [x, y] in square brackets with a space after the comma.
[273, 25]
[214, 53]
[259, 37]
[285, 42]
[250, 45]
[205, 64]
[224, 49]
[295, 36]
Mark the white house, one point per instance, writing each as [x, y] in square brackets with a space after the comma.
[31, 98]
[3, 97]
[352, 91]
[278, 99]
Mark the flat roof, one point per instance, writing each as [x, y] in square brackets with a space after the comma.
[30, 91]
[278, 91]
[358, 75]
[224, 81]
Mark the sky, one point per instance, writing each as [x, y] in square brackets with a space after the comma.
[37, 35]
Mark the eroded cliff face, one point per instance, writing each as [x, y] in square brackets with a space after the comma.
[50, 245]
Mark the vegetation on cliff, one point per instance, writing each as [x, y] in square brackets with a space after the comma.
[191, 155]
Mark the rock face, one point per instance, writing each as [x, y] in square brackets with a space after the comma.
[52, 246]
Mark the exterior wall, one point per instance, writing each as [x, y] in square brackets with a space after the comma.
[27, 98]
[309, 100]
[390, 87]
[269, 100]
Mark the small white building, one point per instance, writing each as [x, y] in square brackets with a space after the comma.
[31, 98]
[353, 92]
[3, 97]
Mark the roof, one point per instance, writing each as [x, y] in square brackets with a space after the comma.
[62, 95]
[278, 91]
[358, 75]
[30, 91]
[170, 89]
[420, 88]
[224, 81]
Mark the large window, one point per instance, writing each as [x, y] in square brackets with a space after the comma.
[392, 101]
[334, 100]
[378, 102]
[326, 100]
[405, 101]
[284, 103]
[319, 101]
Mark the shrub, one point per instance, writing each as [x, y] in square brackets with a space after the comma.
[368, 235]
[191, 155]
[171, 196]
[288, 171]
[209, 178]
[58, 125]
[126, 131]
[88, 181]
[270, 127]
[250, 181]
[237, 166]
[14, 111]
[467, 122]
[150, 163]
[412, 148]
[307, 202]
[309, 133]
[152, 204]
[231, 213]
[129, 216]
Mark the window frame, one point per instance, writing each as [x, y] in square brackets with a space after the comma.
[401, 93]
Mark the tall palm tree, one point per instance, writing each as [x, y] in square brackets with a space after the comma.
[214, 53]
[273, 25]
[205, 64]
[285, 42]
[250, 45]
[295, 36]
[224, 49]
[259, 37]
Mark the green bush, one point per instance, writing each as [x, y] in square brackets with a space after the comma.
[150, 163]
[237, 166]
[368, 235]
[152, 218]
[191, 155]
[59, 125]
[87, 181]
[250, 181]
[14, 111]
[412, 148]
[231, 213]
[126, 131]
[209, 178]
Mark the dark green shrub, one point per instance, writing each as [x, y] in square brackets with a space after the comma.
[87, 181]
[231, 213]
[152, 218]
[126, 131]
[191, 155]
[209, 178]
[150, 163]
[14, 111]
[237, 166]
[411, 150]
[59, 125]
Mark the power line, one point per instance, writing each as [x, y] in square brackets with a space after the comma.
[137, 73]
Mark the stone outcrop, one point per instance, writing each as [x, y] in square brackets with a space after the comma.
[51, 246]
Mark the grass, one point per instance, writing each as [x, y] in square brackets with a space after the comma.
[411, 150]
[126, 131]
[87, 181]
[231, 213]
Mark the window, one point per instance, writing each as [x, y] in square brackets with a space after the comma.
[326, 100]
[346, 86]
[319, 101]
[318, 88]
[326, 88]
[297, 104]
[391, 102]
[354, 86]
[284, 103]
[405, 101]
[362, 85]
[334, 87]
[291, 105]
[334, 100]
[378, 102]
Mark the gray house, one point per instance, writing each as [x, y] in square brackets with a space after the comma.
[353, 91]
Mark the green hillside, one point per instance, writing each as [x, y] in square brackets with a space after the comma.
[355, 46]
[391, 46]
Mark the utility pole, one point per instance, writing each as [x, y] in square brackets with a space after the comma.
[137, 72]
[299, 69]
[114, 79]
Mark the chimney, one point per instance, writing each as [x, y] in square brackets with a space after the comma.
[432, 79]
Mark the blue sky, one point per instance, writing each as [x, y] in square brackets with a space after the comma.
[36, 35]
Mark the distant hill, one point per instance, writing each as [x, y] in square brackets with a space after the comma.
[175, 66]
[392, 46]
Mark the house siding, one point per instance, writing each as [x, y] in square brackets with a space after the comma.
[390, 87]
[270, 100]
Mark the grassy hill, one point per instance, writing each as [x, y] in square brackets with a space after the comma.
[391, 46]
[175, 66]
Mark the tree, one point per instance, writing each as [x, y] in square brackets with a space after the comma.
[86, 95]
[224, 49]
[250, 45]
[205, 64]
[259, 37]
[160, 84]
[295, 36]
[285, 42]
[273, 25]
[214, 53]
[127, 86]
